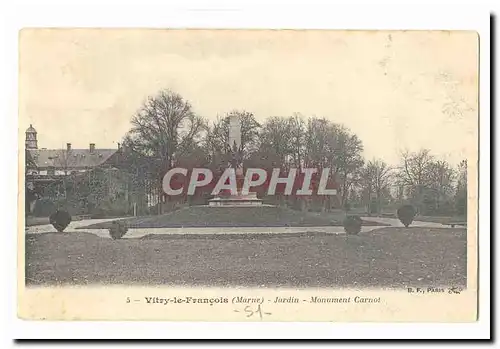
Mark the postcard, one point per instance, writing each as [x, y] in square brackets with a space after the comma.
[248, 175]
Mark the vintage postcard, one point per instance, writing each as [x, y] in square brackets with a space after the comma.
[248, 175]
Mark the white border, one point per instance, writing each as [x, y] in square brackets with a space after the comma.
[446, 15]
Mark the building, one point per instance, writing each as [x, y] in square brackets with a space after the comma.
[60, 162]
[64, 174]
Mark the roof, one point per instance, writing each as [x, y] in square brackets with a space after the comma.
[30, 129]
[74, 158]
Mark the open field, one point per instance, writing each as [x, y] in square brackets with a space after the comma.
[387, 257]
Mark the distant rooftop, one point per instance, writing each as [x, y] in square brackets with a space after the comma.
[74, 158]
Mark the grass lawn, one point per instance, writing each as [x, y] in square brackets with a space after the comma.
[388, 257]
[442, 220]
[203, 216]
[32, 221]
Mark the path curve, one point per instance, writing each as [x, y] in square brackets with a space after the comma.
[138, 233]
[394, 222]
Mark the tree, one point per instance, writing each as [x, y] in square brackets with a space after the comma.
[65, 160]
[442, 177]
[375, 181]
[349, 161]
[297, 140]
[275, 138]
[29, 162]
[333, 146]
[427, 181]
[88, 190]
[217, 136]
[285, 138]
[163, 130]
[461, 190]
[414, 174]
[30, 192]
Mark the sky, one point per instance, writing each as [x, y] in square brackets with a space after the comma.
[397, 90]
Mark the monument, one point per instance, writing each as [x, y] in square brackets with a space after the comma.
[234, 149]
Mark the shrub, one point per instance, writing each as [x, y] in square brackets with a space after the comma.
[44, 208]
[110, 207]
[352, 225]
[461, 204]
[347, 207]
[406, 214]
[117, 230]
[373, 209]
[60, 220]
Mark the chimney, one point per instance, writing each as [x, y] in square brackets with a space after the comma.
[68, 146]
[119, 146]
[92, 148]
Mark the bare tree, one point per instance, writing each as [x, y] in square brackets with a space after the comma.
[298, 135]
[413, 174]
[217, 136]
[276, 138]
[442, 177]
[375, 181]
[65, 160]
[330, 145]
[333, 146]
[164, 129]
[414, 171]
[348, 161]
[427, 180]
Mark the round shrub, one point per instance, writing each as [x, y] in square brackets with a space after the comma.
[352, 225]
[406, 214]
[117, 230]
[60, 220]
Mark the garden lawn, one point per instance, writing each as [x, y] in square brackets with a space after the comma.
[204, 216]
[32, 221]
[387, 257]
[442, 219]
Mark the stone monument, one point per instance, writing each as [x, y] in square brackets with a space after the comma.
[235, 151]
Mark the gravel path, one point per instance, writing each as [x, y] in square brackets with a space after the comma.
[140, 232]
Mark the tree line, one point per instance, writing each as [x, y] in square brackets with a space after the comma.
[167, 133]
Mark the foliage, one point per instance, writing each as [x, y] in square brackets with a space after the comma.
[217, 136]
[374, 207]
[375, 179]
[428, 182]
[44, 208]
[352, 225]
[60, 220]
[406, 214]
[117, 230]
[164, 128]
[166, 132]
[461, 191]
[29, 161]
[110, 207]
[347, 207]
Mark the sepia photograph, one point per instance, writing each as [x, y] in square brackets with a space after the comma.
[338, 163]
